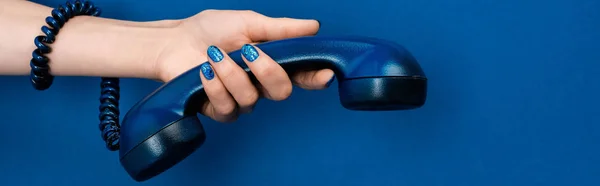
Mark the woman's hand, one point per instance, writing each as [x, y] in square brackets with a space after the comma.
[211, 34]
[163, 50]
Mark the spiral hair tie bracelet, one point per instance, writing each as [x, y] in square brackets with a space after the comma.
[41, 78]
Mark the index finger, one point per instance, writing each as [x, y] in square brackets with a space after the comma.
[263, 28]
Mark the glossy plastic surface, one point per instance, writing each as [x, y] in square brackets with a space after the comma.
[162, 129]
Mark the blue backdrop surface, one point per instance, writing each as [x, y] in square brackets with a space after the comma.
[514, 86]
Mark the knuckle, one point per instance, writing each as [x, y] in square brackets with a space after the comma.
[207, 11]
[267, 70]
[215, 89]
[251, 15]
[283, 93]
[249, 99]
[227, 72]
[249, 12]
[225, 109]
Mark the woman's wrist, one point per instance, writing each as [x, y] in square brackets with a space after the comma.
[92, 46]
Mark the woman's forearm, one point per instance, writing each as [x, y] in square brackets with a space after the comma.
[85, 46]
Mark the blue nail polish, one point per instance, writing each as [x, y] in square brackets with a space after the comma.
[249, 52]
[330, 81]
[214, 53]
[207, 71]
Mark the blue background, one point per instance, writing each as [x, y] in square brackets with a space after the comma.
[513, 97]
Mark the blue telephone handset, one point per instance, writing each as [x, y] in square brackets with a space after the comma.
[374, 75]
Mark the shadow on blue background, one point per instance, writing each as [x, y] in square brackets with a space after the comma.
[512, 101]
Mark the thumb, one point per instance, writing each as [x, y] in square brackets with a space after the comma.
[314, 79]
[262, 28]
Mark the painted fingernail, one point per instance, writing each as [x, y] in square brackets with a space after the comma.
[330, 81]
[249, 52]
[214, 53]
[207, 71]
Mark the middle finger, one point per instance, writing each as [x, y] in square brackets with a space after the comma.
[270, 74]
[234, 78]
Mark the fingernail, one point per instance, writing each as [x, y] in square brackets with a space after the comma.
[330, 81]
[248, 111]
[207, 71]
[319, 22]
[249, 52]
[214, 53]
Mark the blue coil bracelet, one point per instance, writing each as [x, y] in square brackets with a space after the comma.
[41, 78]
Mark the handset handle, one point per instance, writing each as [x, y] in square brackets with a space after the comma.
[349, 57]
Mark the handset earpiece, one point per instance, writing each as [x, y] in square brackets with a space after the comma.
[374, 75]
